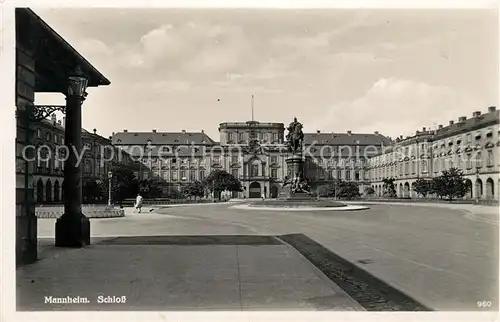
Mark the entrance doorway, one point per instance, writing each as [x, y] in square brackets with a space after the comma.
[255, 190]
[274, 191]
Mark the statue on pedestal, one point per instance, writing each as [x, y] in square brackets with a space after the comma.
[295, 136]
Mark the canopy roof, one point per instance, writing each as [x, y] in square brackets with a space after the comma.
[55, 59]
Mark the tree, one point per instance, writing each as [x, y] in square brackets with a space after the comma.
[195, 189]
[435, 187]
[450, 184]
[91, 191]
[219, 180]
[423, 186]
[123, 183]
[150, 188]
[348, 190]
[389, 187]
[326, 190]
[369, 191]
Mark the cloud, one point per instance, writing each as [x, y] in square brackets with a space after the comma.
[398, 105]
[194, 47]
[94, 48]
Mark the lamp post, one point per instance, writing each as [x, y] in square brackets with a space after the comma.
[110, 177]
[73, 228]
[477, 185]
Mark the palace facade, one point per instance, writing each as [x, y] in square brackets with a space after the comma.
[254, 152]
[48, 175]
[470, 144]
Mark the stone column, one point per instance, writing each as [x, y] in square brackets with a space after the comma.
[73, 228]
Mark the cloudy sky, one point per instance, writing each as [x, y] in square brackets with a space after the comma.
[392, 71]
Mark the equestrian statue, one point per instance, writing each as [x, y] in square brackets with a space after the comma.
[295, 136]
[295, 141]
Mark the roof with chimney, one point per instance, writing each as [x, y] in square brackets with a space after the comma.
[464, 124]
[349, 138]
[161, 138]
[53, 123]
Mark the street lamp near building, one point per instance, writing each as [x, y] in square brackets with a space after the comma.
[73, 227]
[110, 177]
[477, 185]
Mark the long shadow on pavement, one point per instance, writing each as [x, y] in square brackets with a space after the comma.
[372, 293]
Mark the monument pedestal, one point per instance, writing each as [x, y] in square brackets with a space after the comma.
[295, 166]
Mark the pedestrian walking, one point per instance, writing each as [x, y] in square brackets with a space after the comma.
[138, 203]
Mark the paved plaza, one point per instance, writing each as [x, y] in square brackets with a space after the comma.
[442, 257]
[160, 276]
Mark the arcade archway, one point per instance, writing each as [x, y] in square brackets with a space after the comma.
[48, 191]
[39, 191]
[56, 191]
[255, 190]
[468, 185]
[490, 189]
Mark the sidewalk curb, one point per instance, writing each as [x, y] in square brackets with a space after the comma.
[355, 304]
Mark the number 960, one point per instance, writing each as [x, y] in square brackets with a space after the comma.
[483, 303]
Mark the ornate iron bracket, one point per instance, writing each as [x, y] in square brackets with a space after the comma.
[41, 112]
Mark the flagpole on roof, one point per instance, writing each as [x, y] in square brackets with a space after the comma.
[252, 109]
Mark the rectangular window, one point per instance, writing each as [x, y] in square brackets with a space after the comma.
[356, 175]
[241, 137]
[275, 137]
[321, 173]
[254, 170]
[202, 175]
[174, 176]
[469, 162]
[216, 159]
[479, 160]
[192, 175]
[339, 174]
[145, 175]
[274, 159]
[348, 175]
[166, 176]
[234, 159]
[274, 173]
[230, 136]
[136, 174]
[424, 166]
[183, 175]
[490, 160]
[234, 172]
